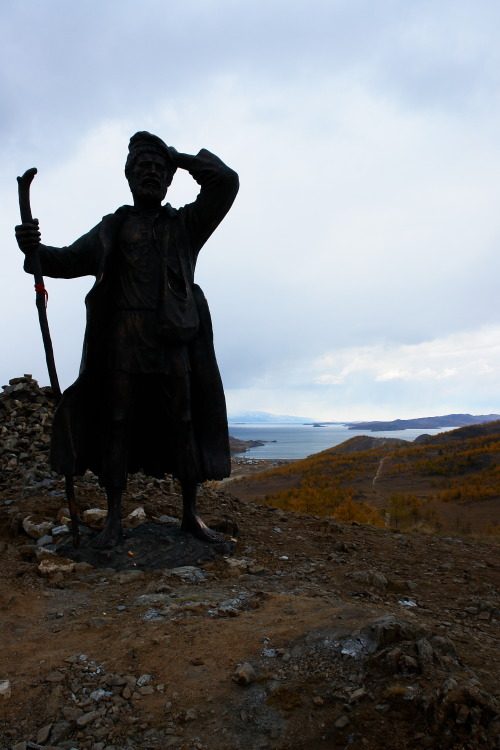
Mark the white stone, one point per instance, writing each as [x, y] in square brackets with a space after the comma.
[36, 530]
[49, 567]
[5, 689]
[245, 674]
[60, 530]
[189, 573]
[94, 517]
[236, 567]
[137, 517]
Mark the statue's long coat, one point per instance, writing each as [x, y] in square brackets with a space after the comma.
[78, 428]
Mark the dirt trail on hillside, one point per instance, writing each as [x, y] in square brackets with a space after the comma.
[377, 477]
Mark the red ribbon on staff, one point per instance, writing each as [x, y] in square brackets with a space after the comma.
[40, 289]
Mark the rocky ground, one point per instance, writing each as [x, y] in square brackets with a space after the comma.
[309, 635]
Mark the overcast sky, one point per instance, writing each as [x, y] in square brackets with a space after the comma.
[357, 274]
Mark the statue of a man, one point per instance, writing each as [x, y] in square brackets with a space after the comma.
[149, 394]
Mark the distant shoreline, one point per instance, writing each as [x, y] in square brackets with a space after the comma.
[241, 446]
[295, 441]
[449, 421]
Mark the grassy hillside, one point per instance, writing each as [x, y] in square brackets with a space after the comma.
[449, 482]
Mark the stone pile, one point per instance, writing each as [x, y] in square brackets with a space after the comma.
[26, 412]
[93, 708]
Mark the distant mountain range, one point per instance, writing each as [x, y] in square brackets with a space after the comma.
[419, 423]
[425, 423]
[263, 417]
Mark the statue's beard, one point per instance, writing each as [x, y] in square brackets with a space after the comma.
[149, 193]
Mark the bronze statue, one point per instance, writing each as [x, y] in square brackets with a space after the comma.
[149, 395]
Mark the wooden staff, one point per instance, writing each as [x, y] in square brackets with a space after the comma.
[24, 184]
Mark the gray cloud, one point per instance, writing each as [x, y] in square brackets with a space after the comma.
[65, 64]
[366, 137]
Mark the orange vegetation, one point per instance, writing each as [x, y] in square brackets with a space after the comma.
[446, 469]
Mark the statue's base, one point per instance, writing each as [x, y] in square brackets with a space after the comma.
[148, 547]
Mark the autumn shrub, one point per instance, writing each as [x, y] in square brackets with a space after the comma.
[350, 510]
[410, 511]
[492, 529]
[325, 483]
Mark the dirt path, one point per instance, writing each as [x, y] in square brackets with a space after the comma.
[377, 477]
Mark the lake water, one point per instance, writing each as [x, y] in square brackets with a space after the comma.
[299, 441]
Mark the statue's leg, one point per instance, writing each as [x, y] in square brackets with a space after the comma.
[115, 453]
[112, 530]
[190, 519]
[175, 405]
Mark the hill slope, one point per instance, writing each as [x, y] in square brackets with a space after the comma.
[448, 482]
[311, 634]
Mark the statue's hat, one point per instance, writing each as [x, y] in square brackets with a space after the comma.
[144, 141]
